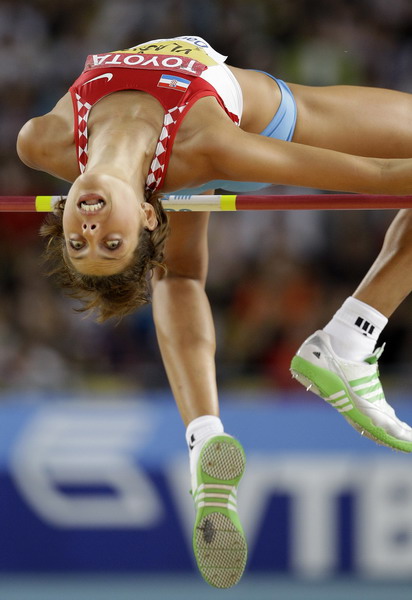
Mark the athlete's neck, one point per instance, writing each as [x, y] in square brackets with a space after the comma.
[122, 140]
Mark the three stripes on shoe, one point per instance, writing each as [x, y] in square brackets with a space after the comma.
[368, 388]
[224, 497]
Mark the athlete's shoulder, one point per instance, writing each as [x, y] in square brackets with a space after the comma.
[46, 143]
[26, 146]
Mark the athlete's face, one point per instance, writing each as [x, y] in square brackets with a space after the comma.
[102, 219]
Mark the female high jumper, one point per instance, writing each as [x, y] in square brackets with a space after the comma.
[170, 116]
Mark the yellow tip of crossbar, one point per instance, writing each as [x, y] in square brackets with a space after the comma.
[44, 203]
[228, 202]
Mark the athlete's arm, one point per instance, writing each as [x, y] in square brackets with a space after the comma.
[240, 156]
[183, 318]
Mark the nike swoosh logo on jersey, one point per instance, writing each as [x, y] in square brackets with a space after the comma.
[107, 76]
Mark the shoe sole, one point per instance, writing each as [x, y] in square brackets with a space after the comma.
[219, 543]
[325, 384]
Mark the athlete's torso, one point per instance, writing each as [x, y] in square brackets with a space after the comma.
[176, 72]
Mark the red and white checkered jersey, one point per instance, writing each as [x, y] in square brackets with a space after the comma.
[177, 72]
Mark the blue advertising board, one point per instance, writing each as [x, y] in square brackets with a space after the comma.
[103, 485]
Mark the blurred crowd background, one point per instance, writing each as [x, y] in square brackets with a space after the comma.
[274, 277]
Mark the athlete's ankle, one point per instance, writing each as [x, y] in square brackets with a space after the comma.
[354, 330]
[198, 432]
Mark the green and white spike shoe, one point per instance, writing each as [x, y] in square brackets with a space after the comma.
[353, 389]
[219, 543]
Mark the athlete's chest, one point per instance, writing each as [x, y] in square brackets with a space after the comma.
[123, 113]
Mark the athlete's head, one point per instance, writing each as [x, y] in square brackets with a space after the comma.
[103, 241]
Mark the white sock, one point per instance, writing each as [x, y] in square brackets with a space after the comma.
[197, 433]
[355, 329]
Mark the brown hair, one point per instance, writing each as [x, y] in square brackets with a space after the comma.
[114, 295]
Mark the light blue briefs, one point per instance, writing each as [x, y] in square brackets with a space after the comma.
[281, 127]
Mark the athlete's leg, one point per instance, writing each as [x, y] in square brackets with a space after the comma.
[337, 363]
